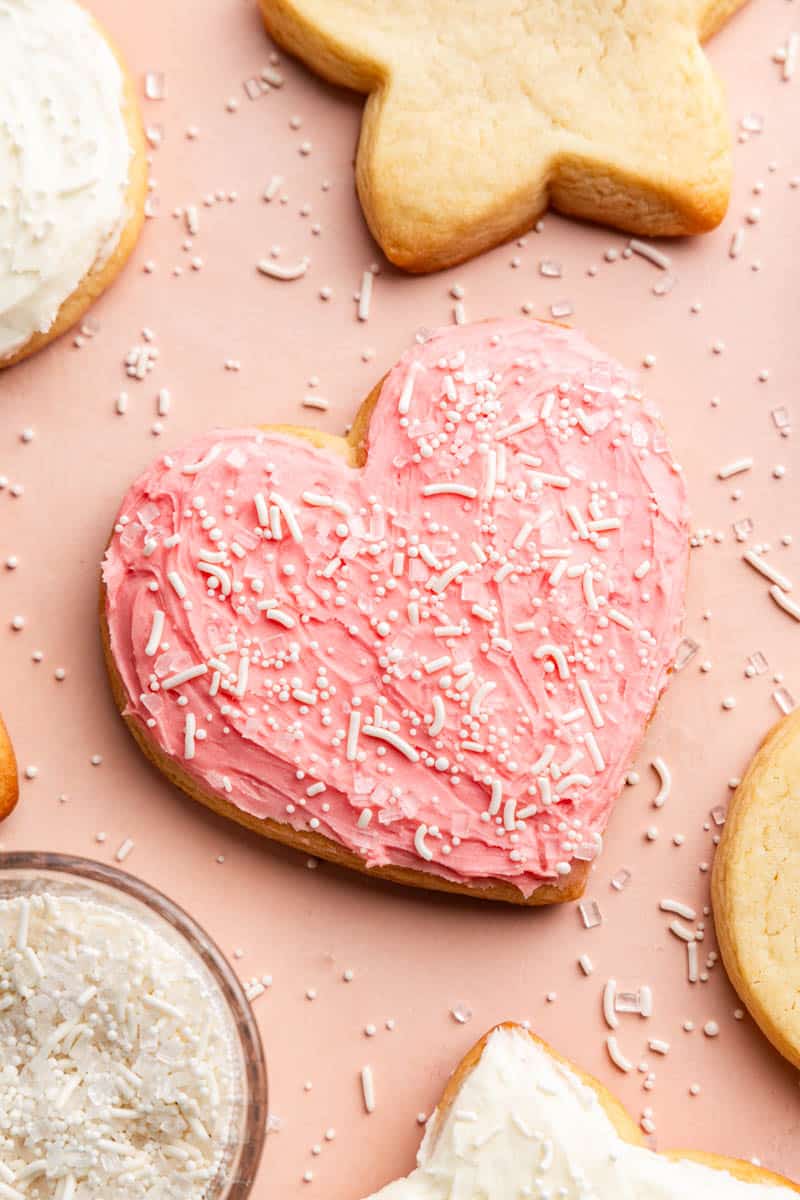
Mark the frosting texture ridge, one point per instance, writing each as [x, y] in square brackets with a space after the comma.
[64, 160]
[442, 659]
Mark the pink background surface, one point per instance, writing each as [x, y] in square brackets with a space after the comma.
[414, 957]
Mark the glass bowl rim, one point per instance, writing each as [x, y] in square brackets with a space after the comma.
[244, 1166]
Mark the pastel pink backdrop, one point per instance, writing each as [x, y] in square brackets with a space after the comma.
[414, 957]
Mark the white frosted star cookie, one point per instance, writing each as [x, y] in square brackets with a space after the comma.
[480, 113]
[73, 174]
[516, 1120]
[756, 887]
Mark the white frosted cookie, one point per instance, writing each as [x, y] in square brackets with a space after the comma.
[517, 1120]
[9, 785]
[483, 112]
[72, 170]
[756, 888]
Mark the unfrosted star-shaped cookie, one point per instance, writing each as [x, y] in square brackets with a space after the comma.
[516, 1120]
[481, 112]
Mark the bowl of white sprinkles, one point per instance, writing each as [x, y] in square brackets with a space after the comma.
[131, 1067]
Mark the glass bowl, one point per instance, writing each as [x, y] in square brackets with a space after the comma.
[29, 872]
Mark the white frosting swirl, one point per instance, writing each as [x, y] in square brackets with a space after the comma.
[64, 160]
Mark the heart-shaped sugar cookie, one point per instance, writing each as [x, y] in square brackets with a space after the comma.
[429, 650]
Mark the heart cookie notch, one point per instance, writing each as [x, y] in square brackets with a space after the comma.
[427, 651]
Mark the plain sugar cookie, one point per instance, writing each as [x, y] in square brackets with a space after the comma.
[9, 782]
[72, 168]
[756, 888]
[427, 651]
[480, 113]
[514, 1112]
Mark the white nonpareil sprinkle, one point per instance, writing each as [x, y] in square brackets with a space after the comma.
[116, 1065]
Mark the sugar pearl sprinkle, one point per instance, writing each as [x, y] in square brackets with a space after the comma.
[116, 1076]
[420, 712]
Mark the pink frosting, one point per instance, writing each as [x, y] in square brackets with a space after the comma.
[443, 660]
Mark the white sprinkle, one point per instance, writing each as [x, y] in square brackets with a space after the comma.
[273, 187]
[194, 468]
[477, 550]
[177, 583]
[289, 516]
[496, 797]
[368, 1089]
[450, 489]
[615, 1054]
[438, 664]
[393, 739]
[315, 789]
[680, 910]
[281, 618]
[477, 700]
[23, 923]
[406, 395]
[262, 511]
[691, 962]
[276, 271]
[619, 618]
[156, 631]
[590, 742]
[767, 570]
[503, 572]
[364, 818]
[681, 931]
[490, 483]
[510, 814]
[610, 1004]
[650, 253]
[588, 590]
[591, 704]
[548, 650]
[437, 724]
[642, 569]
[174, 681]
[736, 243]
[543, 761]
[313, 401]
[662, 771]
[734, 468]
[317, 499]
[413, 613]
[557, 481]
[419, 843]
[604, 525]
[782, 600]
[577, 520]
[524, 533]
[124, 850]
[790, 62]
[586, 964]
[365, 296]
[572, 781]
[447, 577]
[517, 427]
[189, 730]
[219, 573]
[353, 727]
[658, 1047]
